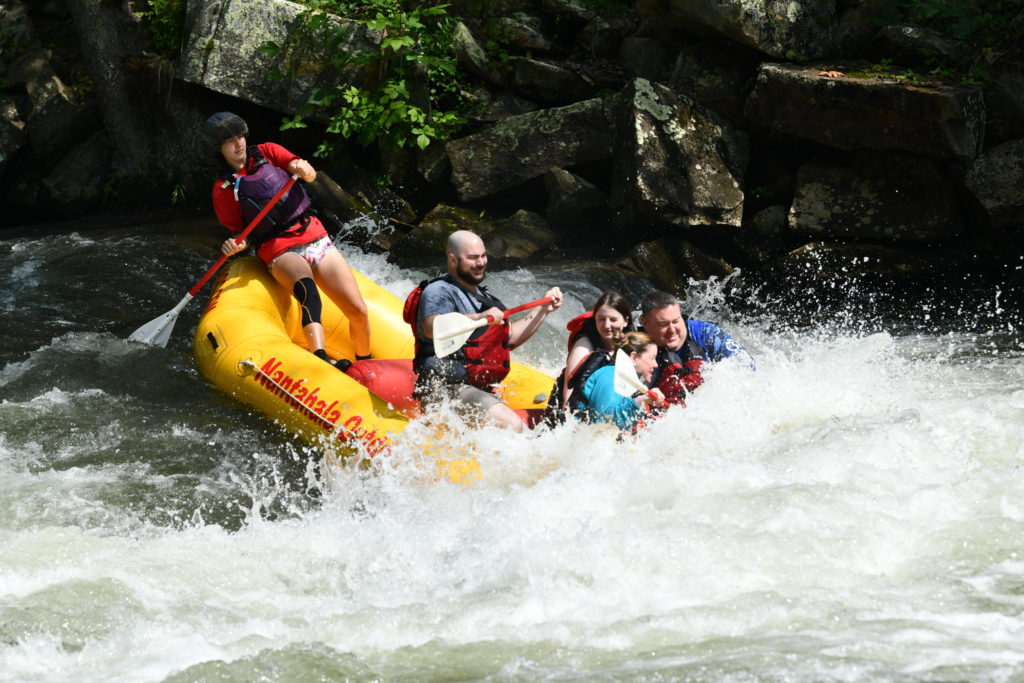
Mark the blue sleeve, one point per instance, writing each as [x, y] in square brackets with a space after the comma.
[604, 404]
[717, 344]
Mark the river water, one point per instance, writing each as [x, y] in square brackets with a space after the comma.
[851, 511]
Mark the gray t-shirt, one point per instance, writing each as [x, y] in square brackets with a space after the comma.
[441, 296]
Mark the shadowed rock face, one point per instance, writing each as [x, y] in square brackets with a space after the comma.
[881, 196]
[728, 159]
[996, 178]
[850, 112]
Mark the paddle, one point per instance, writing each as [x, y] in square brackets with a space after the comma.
[452, 330]
[158, 331]
[627, 382]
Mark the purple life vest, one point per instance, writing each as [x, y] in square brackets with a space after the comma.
[259, 187]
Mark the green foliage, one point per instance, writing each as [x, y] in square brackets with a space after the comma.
[164, 21]
[178, 195]
[990, 31]
[414, 45]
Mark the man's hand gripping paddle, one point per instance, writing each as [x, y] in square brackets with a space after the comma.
[452, 330]
[158, 331]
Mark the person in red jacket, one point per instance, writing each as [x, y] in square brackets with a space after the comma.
[597, 330]
[291, 240]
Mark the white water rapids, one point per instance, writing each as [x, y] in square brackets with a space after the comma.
[850, 511]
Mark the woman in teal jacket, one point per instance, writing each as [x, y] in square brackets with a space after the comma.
[604, 404]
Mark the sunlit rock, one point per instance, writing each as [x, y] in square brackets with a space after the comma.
[675, 163]
[523, 147]
[521, 238]
[775, 27]
[224, 51]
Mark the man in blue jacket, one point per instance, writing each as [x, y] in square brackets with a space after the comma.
[684, 345]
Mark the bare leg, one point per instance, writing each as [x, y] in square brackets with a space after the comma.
[334, 276]
[288, 269]
[505, 417]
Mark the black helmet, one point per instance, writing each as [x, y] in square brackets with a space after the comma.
[221, 127]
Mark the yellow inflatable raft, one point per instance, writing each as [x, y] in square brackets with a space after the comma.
[249, 343]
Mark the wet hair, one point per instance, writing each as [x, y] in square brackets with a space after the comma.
[658, 299]
[635, 342]
[619, 303]
[220, 128]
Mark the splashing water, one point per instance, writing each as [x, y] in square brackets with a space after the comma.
[848, 511]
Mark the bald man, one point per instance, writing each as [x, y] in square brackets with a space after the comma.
[471, 374]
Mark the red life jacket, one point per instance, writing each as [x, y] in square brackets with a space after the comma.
[581, 326]
[676, 377]
[486, 355]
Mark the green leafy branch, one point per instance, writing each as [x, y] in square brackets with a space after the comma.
[414, 44]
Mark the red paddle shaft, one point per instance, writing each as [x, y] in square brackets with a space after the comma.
[242, 235]
[517, 309]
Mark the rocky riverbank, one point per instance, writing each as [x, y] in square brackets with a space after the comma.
[798, 142]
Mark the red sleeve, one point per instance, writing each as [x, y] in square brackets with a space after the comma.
[277, 155]
[228, 211]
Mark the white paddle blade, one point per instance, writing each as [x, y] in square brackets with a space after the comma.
[157, 332]
[451, 331]
[627, 382]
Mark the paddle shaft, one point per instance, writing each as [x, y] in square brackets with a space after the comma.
[519, 309]
[242, 235]
[452, 330]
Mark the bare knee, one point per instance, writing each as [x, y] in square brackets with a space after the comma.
[505, 417]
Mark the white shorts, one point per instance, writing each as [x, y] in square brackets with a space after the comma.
[312, 252]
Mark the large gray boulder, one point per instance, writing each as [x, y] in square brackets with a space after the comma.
[524, 147]
[675, 163]
[887, 197]
[223, 52]
[775, 27]
[860, 111]
[996, 179]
